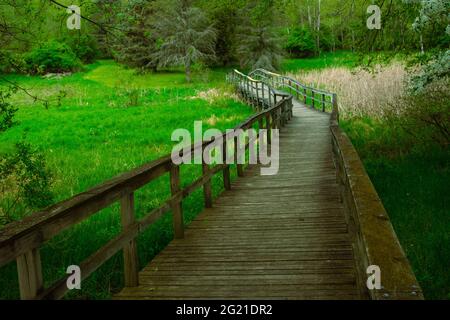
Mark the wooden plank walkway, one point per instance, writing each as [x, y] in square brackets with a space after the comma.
[270, 237]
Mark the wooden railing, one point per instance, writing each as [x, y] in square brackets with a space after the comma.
[316, 98]
[374, 240]
[21, 240]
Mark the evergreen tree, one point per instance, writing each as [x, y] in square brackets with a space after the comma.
[136, 47]
[186, 34]
[258, 46]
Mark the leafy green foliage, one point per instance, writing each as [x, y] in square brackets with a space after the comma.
[25, 182]
[84, 46]
[7, 111]
[426, 115]
[52, 57]
[300, 43]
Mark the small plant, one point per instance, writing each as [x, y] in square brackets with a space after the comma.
[7, 111]
[52, 57]
[25, 182]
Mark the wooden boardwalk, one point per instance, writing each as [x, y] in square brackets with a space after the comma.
[309, 232]
[269, 237]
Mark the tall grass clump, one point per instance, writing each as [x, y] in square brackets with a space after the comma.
[361, 93]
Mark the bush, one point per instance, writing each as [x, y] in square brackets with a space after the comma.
[300, 43]
[426, 115]
[7, 111]
[52, 57]
[11, 62]
[24, 183]
[85, 47]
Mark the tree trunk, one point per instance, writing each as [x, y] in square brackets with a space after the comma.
[318, 30]
[422, 50]
[188, 71]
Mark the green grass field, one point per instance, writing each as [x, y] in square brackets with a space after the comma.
[326, 60]
[94, 135]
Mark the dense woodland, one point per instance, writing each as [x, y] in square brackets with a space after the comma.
[131, 57]
[155, 34]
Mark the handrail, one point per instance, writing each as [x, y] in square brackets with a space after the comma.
[21, 240]
[256, 92]
[310, 95]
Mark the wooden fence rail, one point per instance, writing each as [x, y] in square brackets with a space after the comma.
[317, 98]
[21, 240]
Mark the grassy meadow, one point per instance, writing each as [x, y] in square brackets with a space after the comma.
[111, 120]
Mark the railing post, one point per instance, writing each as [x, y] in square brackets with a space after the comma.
[257, 94]
[29, 270]
[263, 101]
[312, 98]
[207, 189]
[268, 128]
[297, 91]
[323, 102]
[239, 167]
[304, 97]
[177, 207]
[226, 169]
[130, 257]
[335, 106]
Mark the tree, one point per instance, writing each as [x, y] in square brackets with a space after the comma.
[259, 46]
[137, 44]
[186, 34]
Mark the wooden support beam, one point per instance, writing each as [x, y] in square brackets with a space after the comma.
[239, 167]
[226, 170]
[177, 208]
[207, 188]
[29, 270]
[130, 257]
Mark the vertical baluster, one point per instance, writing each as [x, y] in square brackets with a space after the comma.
[226, 169]
[335, 106]
[268, 127]
[177, 208]
[323, 102]
[263, 101]
[29, 270]
[130, 257]
[207, 189]
[237, 151]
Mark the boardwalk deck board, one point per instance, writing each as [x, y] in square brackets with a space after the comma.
[269, 237]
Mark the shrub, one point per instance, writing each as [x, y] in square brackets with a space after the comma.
[426, 115]
[85, 47]
[52, 57]
[300, 43]
[7, 111]
[11, 62]
[24, 182]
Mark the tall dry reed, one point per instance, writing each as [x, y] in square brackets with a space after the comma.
[360, 92]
